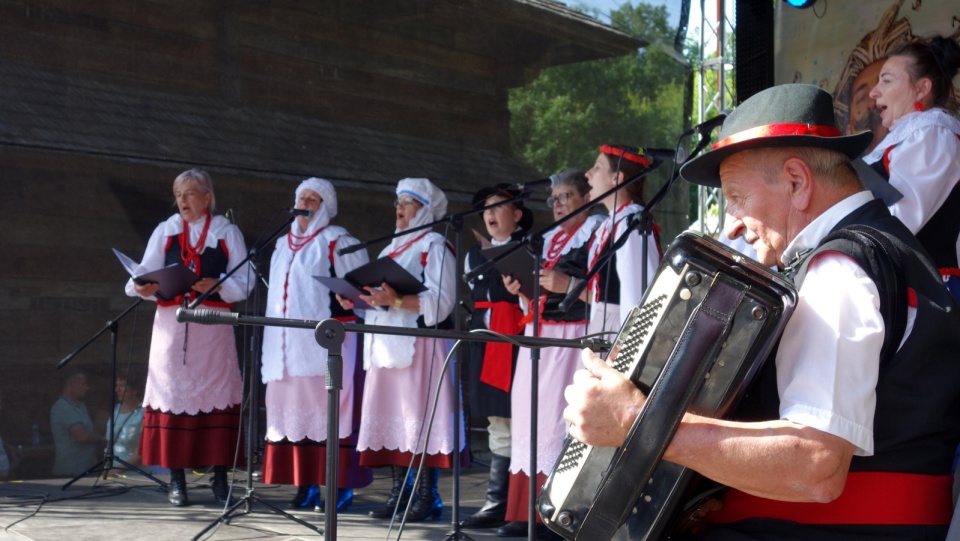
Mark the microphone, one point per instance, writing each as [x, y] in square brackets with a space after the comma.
[526, 187]
[300, 212]
[665, 154]
[207, 317]
[350, 249]
[708, 125]
[229, 215]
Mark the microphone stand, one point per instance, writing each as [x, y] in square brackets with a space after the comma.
[456, 222]
[215, 317]
[643, 222]
[251, 253]
[533, 243]
[452, 218]
[108, 457]
[329, 334]
[536, 245]
[526, 240]
[250, 497]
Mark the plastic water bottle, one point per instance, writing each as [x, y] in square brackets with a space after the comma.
[35, 433]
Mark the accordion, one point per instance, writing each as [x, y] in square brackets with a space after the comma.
[704, 327]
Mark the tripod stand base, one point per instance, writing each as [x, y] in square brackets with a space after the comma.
[457, 535]
[247, 503]
[106, 465]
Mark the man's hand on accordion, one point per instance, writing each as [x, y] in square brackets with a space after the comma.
[601, 403]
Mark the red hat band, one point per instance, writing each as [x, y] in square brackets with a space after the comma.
[774, 130]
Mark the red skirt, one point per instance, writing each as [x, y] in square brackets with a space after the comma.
[518, 496]
[304, 463]
[189, 441]
[386, 457]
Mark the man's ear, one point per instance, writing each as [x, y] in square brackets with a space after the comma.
[799, 177]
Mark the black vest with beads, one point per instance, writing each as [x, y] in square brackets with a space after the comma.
[213, 263]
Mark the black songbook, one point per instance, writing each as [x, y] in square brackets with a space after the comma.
[174, 279]
[879, 186]
[519, 265]
[373, 274]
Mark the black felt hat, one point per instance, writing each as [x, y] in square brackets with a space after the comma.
[792, 115]
[505, 191]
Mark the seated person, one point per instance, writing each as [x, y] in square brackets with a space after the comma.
[127, 419]
[77, 446]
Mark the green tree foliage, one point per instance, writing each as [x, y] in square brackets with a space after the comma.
[561, 118]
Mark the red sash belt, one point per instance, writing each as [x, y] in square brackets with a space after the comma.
[497, 368]
[867, 498]
[206, 302]
[949, 271]
[531, 307]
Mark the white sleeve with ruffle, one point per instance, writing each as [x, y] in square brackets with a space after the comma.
[238, 286]
[924, 168]
[440, 275]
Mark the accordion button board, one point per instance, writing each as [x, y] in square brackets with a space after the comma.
[591, 492]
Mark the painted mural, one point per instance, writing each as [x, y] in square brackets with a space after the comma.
[840, 46]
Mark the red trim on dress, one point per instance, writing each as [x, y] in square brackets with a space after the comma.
[182, 440]
[304, 462]
[394, 457]
[518, 496]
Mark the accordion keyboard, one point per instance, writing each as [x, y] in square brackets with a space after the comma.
[627, 352]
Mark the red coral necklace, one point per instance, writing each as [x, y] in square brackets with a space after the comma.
[190, 255]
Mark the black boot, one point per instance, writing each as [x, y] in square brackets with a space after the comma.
[495, 508]
[344, 501]
[427, 504]
[178, 488]
[307, 496]
[220, 485]
[300, 498]
[400, 492]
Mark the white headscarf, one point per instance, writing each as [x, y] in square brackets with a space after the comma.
[434, 206]
[390, 351]
[328, 208]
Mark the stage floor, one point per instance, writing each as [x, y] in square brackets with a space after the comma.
[134, 508]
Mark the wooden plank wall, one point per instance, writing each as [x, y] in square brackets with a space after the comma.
[267, 56]
[235, 87]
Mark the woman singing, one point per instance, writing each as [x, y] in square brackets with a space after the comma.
[193, 392]
[294, 366]
[403, 372]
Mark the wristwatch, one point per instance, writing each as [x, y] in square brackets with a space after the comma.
[398, 303]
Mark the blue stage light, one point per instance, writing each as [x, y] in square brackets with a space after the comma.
[801, 3]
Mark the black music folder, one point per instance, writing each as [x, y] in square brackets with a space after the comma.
[174, 279]
[373, 274]
[519, 265]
